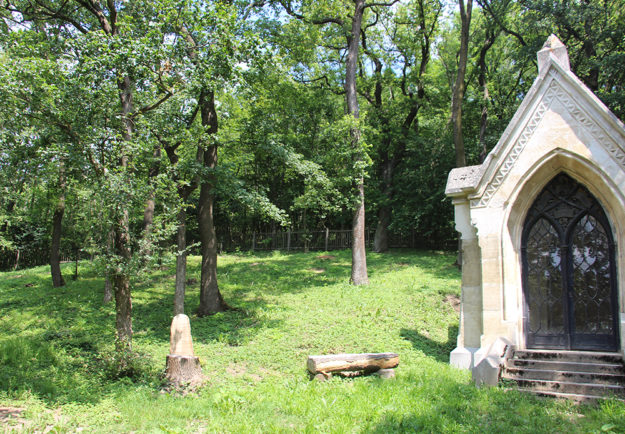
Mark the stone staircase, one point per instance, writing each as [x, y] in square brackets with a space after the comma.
[577, 375]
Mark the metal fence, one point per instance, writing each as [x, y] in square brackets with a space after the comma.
[325, 240]
[322, 240]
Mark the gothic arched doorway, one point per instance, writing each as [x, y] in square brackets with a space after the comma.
[569, 271]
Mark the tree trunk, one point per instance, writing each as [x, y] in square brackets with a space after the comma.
[121, 233]
[359, 255]
[458, 91]
[108, 290]
[76, 252]
[108, 283]
[181, 261]
[148, 214]
[391, 156]
[381, 238]
[211, 300]
[57, 227]
[148, 220]
[482, 81]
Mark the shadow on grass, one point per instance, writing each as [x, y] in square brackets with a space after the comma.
[440, 352]
[52, 339]
[453, 407]
[251, 284]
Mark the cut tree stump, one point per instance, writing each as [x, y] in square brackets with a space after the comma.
[366, 362]
[181, 370]
[182, 367]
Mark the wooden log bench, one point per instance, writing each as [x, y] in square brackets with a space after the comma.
[322, 367]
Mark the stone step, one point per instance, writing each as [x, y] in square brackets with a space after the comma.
[570, 376]
[573, 388]
[569, 396]
[561, 365]
[569, 356]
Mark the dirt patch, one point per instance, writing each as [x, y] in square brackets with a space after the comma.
[7, 413]
[326, 257]
[403, 264]
[236, 370]
[10, 419]
[17, 276]
[256, 378]
[454, 301]
[317, 270]
[255, 264]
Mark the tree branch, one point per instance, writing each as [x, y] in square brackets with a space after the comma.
[370, 5]
[286, 4]
[150, 107]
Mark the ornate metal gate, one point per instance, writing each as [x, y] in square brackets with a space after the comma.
[569, 271]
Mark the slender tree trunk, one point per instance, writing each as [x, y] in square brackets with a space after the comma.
[108, 290]
[57, 228]
[121, 231]
[181, 261]
[458, 93]
[211, 300]
[148, 214]
[482, 81]
[459, 87]
[484, 122]
[380, 241]
[359, 255]
[108, 283]
[305, 227]
[148, 220]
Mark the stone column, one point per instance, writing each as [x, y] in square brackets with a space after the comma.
[470, 314]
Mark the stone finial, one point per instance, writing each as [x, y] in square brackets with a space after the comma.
[553, 49]
[180, 342]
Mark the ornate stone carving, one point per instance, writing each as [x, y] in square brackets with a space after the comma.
[554, 92]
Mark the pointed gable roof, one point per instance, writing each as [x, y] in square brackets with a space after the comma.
[555, 82]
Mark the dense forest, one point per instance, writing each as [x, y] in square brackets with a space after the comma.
[132, 132]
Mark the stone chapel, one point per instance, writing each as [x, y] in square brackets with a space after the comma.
[542, 224]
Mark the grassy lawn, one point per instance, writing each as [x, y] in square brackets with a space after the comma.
[56, 358]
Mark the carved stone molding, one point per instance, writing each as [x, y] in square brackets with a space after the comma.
[554, 92]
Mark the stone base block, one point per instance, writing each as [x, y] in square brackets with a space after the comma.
[462, 358]
[488, 362]
[385, 373]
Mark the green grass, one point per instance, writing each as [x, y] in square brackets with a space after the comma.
[56, 352]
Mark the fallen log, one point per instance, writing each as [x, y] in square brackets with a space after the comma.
[368, 362]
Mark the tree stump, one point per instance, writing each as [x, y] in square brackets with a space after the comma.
[182, 370]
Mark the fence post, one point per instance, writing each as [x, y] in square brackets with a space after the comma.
[253, 241]
[327, 239]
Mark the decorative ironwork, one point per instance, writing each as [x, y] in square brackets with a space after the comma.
[569, 270]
